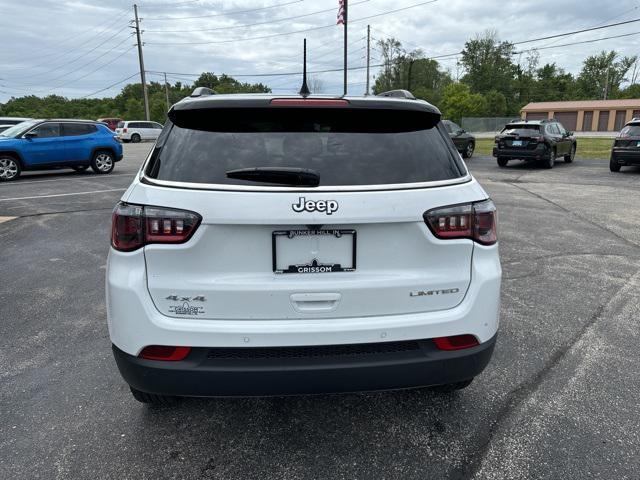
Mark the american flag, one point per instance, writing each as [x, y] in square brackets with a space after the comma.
[341, 12]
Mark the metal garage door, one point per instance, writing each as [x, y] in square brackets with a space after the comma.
[587, 122]
[603, 121]
[537, 115]
[620, 117]
[569, 120]
[636, 114]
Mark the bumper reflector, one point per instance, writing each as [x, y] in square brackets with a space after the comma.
[456, 342]
[164, 353]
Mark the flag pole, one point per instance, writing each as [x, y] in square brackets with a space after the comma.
[346, 16]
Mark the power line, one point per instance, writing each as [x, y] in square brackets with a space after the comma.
[58, 67]
[110, 86]
[233, 27]
[263, 37]
[224, 14]
[56, 55]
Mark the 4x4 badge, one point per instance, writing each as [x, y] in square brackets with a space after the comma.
[327, 206]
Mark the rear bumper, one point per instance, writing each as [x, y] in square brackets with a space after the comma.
[304, 370]
[511, 154]
[626, 157]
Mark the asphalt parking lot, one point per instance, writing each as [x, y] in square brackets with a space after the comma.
[559, 399]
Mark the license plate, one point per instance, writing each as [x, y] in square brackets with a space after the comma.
[314, 251]
[517, 143]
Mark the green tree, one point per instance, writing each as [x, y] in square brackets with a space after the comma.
[496, 104]
[602, 75]
[488, 65]
[458, 102]
[553, 84]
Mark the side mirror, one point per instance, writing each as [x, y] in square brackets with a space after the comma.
[31, 135]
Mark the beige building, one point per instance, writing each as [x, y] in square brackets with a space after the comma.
[586, 115]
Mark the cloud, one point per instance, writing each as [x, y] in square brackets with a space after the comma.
[55, 44]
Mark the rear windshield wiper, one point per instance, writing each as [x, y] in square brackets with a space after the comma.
[303, 177]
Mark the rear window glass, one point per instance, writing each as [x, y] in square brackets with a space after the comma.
[630, 131]
[521, 129]
[347, 147]
[120, 124]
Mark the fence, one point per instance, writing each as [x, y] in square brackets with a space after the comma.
[486, 124]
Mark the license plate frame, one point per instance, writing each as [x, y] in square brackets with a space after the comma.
[313, 266]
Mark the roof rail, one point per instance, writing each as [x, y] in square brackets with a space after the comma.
[397, 94]
[202, 92]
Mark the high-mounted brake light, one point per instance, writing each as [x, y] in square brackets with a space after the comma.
[134, 226]
[164, 353]
[476, 221]
[456, 342]
[309, 102]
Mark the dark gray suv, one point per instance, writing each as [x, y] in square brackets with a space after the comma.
[465, 142]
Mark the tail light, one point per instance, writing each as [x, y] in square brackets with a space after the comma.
[134, 226]
[476, 221]
[124, 130]
[164, 353]
[456, 342]
[539, 139]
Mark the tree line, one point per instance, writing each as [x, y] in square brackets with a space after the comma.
[127, 104]
[490, 79]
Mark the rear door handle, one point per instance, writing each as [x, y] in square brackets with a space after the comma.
[315, 302]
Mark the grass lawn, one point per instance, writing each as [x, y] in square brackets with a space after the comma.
[588, 147]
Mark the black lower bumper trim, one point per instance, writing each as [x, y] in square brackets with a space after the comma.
[326, 369]
[626, 157]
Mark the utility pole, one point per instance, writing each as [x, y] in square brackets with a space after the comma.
[606, 85]
[143, 79]
[409, 73]
[166, 91]
[366, 92]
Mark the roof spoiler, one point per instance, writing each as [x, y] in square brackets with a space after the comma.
[397, 94]
[202, 92]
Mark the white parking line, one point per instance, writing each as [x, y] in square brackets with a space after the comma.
[6, 219]
[63, 194]
[66, 179]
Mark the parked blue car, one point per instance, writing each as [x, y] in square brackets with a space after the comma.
[48, 144]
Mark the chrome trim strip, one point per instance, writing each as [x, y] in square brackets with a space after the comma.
[337, 188]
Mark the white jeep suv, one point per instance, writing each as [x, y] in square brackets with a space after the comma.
[291, 245]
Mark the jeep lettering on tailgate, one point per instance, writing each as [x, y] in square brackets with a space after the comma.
[327, 206]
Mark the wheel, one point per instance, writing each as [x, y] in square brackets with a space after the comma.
[451, 387]
[9, 168]
[135, 138]
[103, 162]
[468, 152]
[613, 165]
[502, 162]
[568, 158]
[80, 168]
[153, 399]
[550, 162]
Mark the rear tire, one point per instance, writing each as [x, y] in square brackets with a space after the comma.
[135, 138]
[613, 165]
[568, 158]
[153, 399]
[9, 168]
[502, 162]
[468, 151]
[550, 162]
[451, 387]
[103, 162]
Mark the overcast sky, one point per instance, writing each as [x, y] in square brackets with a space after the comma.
[75, 48]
